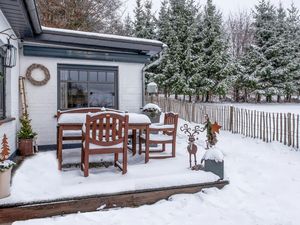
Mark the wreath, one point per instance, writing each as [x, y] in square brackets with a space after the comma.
[37, 82]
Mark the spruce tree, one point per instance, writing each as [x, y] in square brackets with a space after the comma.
[212, 53]
[139, 22]
[5, 151]
[128, 26]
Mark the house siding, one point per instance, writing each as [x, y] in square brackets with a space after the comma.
[42, 100]
[11, 92]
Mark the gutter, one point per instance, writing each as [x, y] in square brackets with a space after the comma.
[164, 47]
[34, 17]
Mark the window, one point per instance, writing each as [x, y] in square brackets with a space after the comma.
[87, 86]
[2, 86]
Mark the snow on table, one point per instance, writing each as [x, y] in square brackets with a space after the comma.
[38, 178]
[79, 118]
[263, 190]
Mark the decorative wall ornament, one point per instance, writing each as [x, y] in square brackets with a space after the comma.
[37, 82]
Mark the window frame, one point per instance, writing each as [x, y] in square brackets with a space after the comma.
[87, 68]
[3, 86]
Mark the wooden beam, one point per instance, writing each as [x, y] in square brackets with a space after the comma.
[24, 211]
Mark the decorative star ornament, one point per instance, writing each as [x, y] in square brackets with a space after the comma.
[215, 127]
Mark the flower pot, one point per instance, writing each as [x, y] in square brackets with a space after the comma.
[26, 147]
[5, 183]
[153, 116]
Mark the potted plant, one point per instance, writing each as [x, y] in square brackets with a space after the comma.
[26, 136]
[152, 111]
[5, 169]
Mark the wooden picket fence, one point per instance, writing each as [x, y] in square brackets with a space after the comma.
[267, 126]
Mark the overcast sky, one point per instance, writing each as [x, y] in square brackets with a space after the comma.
[225, 6]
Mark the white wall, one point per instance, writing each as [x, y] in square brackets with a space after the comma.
[12, 92]
[42, 100]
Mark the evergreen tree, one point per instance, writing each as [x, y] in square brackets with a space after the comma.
[212, 56]
[128, 26]
[261, 55]
[26, 131]
[139, 22]
[293, 48]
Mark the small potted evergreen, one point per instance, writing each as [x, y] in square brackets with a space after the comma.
[5, 169]
[26, 136]
[152, 111]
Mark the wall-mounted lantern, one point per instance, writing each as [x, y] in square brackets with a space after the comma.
[10, 54]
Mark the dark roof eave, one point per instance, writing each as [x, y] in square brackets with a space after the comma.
[34, 16]
[62, 38]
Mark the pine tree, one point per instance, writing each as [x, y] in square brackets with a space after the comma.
[128, 26]
[139, 22]
[26, 131]
[149, 29]
[5, 151]
[212, 61]
[293, 49]
[260, 57]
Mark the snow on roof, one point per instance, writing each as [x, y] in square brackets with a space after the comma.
[105, 36]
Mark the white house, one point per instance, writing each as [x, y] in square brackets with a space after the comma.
[86, 70]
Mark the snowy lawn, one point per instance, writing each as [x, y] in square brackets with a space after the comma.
[263, 190]
[38, 178]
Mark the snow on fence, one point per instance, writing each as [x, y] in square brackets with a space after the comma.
[267, 126]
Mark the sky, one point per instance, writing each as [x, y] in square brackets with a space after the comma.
[225, 6]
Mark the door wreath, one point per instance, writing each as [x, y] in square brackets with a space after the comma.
[34, 81]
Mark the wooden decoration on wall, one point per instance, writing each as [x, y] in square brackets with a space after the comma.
[37, 82]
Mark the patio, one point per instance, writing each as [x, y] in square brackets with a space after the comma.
[53, 185]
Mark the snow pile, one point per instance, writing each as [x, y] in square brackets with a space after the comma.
[150, 107]
[213, 154]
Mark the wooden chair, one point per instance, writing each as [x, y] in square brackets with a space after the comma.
[103, 133]
[162, 134]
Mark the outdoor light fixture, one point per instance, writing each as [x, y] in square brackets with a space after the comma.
[9, 51]
[10, 54]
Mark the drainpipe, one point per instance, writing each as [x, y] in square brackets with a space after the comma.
[33, 14]
[164, 47]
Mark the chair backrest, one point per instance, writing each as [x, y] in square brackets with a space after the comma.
[172, 119]
[106, 128]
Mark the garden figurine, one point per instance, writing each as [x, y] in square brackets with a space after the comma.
[211, 130]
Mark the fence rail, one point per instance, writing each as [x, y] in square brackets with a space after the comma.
[267, 126]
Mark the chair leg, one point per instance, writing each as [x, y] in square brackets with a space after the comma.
[163, 147]
[82, 158]
[116, 159]
[133, 141]
[86, 163]
[174, 148]
[124, 162]
[140, 146]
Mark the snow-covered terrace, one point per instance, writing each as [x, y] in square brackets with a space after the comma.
[38, 179]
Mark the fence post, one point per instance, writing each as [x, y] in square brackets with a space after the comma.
[230, 118]
[289, 126]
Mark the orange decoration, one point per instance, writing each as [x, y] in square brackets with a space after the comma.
[215, 127]
[4, 149]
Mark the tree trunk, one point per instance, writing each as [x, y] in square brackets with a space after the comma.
[190, 98]
[236, 94]
[278, 98]
[176, 96]
[207, 97]
[197, 98]
[245, 95]
[258, 98]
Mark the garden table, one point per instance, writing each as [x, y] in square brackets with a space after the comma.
[72, 123]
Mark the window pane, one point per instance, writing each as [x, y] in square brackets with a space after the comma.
[74, 75]
[111, 77]
[77, 95]
[101, 95]
[101, 77]
[64, 75]
[82, 75]
[93, 76]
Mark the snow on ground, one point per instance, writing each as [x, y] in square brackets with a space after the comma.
[263, 190]
[39, 179]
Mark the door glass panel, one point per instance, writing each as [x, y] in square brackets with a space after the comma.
[74, 75]
[101, 95]
[101, 77]
[77, 95]
[111, 77]
[64, 74]
[93, 76]
[82, 75]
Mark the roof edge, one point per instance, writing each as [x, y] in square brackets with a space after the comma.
[34, 16]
